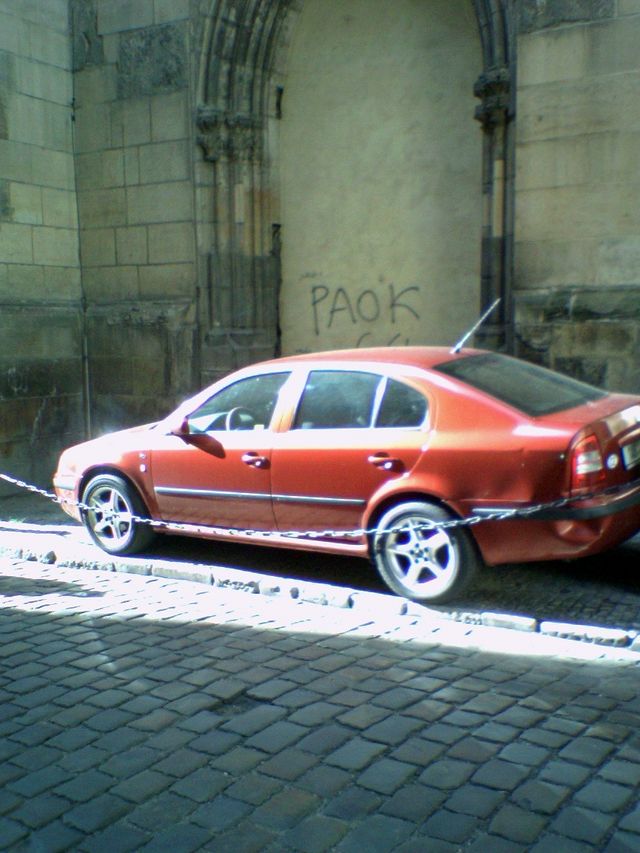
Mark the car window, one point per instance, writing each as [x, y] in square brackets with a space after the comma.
[337, 399]
[401, 406]
[343, 399]
[246, 404]
[532, 389]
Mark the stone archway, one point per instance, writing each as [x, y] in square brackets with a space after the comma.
[245, 46]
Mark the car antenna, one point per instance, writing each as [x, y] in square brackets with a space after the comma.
[477, 325]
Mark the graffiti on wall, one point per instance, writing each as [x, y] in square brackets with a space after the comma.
[363, 311]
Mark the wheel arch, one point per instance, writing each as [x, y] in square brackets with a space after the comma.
[396, 498]
[99, 470]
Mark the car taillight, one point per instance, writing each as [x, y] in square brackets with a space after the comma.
[587, 465]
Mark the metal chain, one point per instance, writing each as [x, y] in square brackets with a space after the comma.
[497, 515]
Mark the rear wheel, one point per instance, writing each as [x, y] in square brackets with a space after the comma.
[419, 560]
[111, 504]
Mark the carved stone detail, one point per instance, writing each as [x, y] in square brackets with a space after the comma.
[493, 88]
[232, 137]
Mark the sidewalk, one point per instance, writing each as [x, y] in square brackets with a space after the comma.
[141, 713]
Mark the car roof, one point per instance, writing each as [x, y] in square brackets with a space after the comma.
[414, 356]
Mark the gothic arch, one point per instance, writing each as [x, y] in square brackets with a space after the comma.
[244, 45]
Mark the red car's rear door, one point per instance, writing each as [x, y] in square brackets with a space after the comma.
[352, 433]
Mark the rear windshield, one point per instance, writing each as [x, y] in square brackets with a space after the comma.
[532, 389]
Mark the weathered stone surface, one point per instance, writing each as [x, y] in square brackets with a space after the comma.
[535, 15]
[152, 61]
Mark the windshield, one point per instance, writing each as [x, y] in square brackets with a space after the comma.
[532, 389]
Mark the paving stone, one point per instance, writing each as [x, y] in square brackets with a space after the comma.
[353, 803]
[516, 824]
[85, 786]
[55, 837]
[97, 814]
[474, 800]
[585, 750]
[377, 833]
[413, 802]
[604, 796]
[500, 775]
[316, 834]
[453, 827]
[182, 838]
[285, 809]
[355, 755]
[277, 736]
[253, 788]
[162, 811]
[582, 825]
[41, 810]
[289, 764]
[247, 837]
[447, 773]
[120, 837]
[221, 813]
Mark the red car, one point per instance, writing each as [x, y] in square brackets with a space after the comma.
[368, 452]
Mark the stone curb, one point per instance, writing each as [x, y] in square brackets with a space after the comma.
[382, 605]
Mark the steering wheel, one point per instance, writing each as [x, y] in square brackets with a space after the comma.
[237, 419]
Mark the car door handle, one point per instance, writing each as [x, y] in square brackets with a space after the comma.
[255, 460]
[384, 461]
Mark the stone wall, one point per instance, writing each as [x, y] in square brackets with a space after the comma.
[41, 326]
[577, 251]
[134, 156]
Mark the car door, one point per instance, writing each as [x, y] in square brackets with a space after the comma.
[217, 472]
[352, 432]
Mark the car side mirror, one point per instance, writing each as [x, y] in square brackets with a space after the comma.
[181, 430]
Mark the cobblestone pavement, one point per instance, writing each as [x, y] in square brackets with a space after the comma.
[141, 713]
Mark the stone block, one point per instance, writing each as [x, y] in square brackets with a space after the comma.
[613, 47]
[131, 245]
[614, 156]
[553, 163]
[132, 166]
[576, 213]
[119, 15]
[169, 116]
[102, 208]
[16, 159]
[554, 263]
[166, 202]
[59, 208]
[93, 127]
[104, 284]
[136, 121]
[168, 280]
[25, 204]
[98, 247]
[21, 281]
[41, 123]
[617, 261]
[55, 246]
[53, 169]
[152, 60]
[552, 55]
[628, 7]
[170, 10]
[43, 81]
[14, 33]
[164, 161]
[48, 45]
[95, 84]
[171, 243]
[576, 108]
[62, 283]
[534, 15]
[16, 243]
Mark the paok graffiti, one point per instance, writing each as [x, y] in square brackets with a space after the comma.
[362, 310]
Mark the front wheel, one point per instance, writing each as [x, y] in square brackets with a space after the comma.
[111, 505]
[419, 560]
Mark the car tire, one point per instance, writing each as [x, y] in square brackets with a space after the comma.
[421, 562]
[111, 502]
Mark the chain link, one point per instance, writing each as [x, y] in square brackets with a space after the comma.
[469, 521]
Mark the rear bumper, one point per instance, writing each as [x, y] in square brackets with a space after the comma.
[611, 502]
